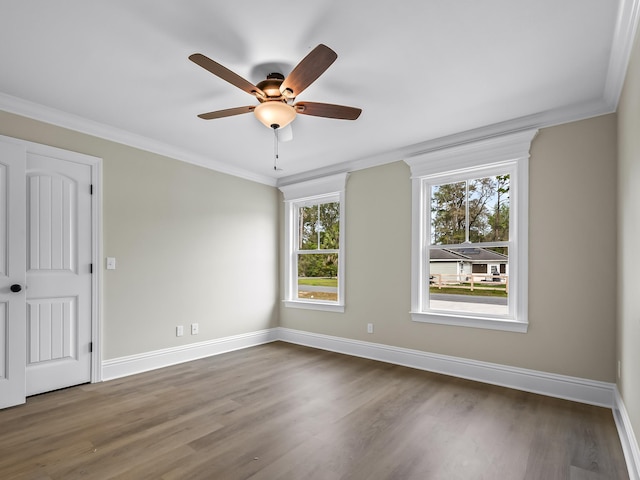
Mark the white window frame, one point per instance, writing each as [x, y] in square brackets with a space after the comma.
[312, 192]
[497, 155]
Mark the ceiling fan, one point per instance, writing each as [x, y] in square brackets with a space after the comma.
[276, 94]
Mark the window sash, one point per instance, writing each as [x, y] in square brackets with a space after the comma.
[297, 206]
[426, 306]
[325, 293]
[317, 251]
[317, 233]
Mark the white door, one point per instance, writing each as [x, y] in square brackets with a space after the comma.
[58, 295]
[46, 286]
[12, 275]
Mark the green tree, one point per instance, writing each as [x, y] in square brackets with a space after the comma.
[481, 190]
[448, 213]
[476, 210]
[500, 216]
[319, 229]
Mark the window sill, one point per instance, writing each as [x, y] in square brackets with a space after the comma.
[327, 307]
[474, 322]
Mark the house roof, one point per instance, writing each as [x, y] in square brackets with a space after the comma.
[467, 254]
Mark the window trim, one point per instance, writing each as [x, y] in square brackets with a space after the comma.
[329, 188]
[509, 152]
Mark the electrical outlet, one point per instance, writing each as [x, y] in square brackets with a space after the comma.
[179, 331]
[194, 329]
[369, 327]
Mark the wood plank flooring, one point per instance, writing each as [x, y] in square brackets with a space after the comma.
[282, 411]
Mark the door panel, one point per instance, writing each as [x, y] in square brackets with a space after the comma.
[12, 272]
[52, 329]
[52, 206]
[4, 194]
[58, 273]
[3, 340]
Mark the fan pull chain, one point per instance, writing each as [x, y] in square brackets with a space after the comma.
[275, 148]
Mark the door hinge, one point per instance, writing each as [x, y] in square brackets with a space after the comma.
[91, 189]
[90, 347]
[91, 268]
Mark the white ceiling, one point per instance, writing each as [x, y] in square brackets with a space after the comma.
[425, 72]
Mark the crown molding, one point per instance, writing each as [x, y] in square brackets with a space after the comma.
[535, 121]
[79, 124]
[622, 44]
[76, 123]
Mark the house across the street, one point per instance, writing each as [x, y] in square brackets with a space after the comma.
[461, 262]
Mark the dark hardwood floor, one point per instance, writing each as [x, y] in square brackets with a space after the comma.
[282, 411]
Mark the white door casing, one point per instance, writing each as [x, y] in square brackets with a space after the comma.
[60, 244]
[12, 272]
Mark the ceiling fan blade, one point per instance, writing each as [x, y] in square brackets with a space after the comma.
[328, 110]
[225, 74]
[308, 70]
[229, 112]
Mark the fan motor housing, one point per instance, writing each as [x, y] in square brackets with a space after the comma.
[271, 86]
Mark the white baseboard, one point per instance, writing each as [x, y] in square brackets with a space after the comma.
[627, 437]
[130, 365]
[560, 386]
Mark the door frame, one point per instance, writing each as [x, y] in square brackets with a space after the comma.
[95, 163]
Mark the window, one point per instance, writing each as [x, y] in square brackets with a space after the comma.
[469, 240]
[314, 223]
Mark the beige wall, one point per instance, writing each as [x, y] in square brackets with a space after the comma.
[572, 258]
[629, 240]
[187, 239]
[192, 245]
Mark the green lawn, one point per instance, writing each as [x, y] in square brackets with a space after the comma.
[318, 281]
[477, 291]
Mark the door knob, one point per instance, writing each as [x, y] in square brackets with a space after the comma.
[15, 288]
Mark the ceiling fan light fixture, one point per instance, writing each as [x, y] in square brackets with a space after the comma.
[275, 113]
